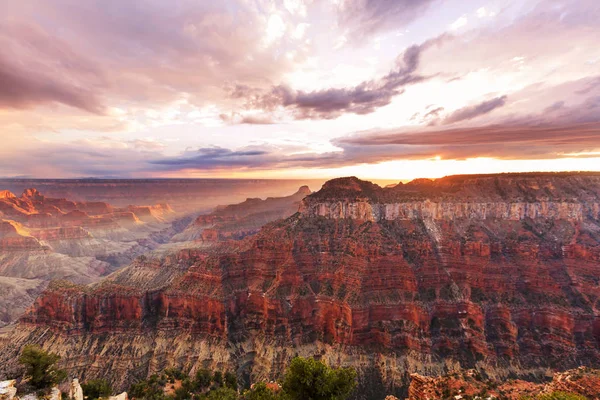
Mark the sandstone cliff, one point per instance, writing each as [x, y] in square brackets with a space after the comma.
[499, 273]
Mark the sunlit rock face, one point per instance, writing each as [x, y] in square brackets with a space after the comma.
[497, 272]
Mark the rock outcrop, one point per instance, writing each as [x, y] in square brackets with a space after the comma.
[470, 384]
[121, 396]
[75, 390]
[8, 391]
[499, 273]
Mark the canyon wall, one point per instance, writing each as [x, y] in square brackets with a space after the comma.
[499, 273]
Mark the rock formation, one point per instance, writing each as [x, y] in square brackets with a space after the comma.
[499, 273]
[8, 391]
[122, 396]
[55, 394]
[469, 384]
[237, 221]
[75, 391]
[43, 238]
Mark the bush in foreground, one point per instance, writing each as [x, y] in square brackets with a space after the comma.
[560, 396]
[309, 379]
[96, 389]
[40, 367]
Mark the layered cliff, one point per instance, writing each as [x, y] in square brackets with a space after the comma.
[499, 273]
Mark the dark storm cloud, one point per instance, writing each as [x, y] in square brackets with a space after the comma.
[363, 98]
[475, 111]
[369, 16]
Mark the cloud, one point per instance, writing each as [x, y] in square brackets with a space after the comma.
[563, 127]
[83, 158]
[131, 53]
[138, 67]
[235, 118]
[361, 99]
[366, 17]
[22, 88]
[430, 117]
[459, 23]
[475, 111]
[36, 68]
[504, 142]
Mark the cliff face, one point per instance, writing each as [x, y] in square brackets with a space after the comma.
[495, 272]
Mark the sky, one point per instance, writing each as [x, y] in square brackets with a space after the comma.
[379, 89]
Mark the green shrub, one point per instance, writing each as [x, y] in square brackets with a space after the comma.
[260, 391]
[40, 367]
[96, 389]
[308, 379]
[231, 380]
[561, 396]
[150, 389]
[203, 379]
[222, 394]
[218, 378]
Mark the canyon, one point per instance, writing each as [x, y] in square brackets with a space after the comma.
[44, 238]
[184, 195]
[236, 221]
[499, 273]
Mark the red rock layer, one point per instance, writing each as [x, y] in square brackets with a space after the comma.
[471, 289]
